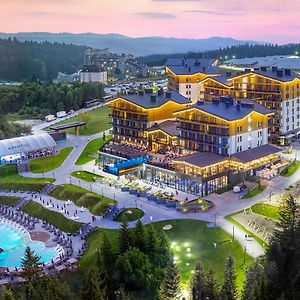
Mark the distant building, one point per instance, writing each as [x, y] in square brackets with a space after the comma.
[68, 78]
[93, 74]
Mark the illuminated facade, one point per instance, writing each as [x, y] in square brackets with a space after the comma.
[278, 90]
[133, 115]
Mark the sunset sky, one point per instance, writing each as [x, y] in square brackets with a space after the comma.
[263, 20]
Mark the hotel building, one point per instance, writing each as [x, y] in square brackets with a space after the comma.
[196, 148]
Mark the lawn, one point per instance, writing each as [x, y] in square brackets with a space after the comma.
[91, 150]
[97, 120]
[84, 175]
[267, 210]
[55, 218]
[11, 180]
[255, 191]
[291, 169]
[186, 234]
[81, 197]
[133, 216]
[8, 201]
[46, 164]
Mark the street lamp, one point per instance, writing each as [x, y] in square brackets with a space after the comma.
[70, 179]
[135, 203]
[79, 182]
[53, 175]
[91, 187]
[233, 233]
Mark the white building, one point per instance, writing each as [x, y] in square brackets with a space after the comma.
[93, 74]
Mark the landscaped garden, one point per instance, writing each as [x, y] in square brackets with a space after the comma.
[130, 214]
[95, 203]
[8, 200]
[46, 164]
[267, 210]
[11, 180]
[84, 175]
[191, 241]
[91, 149]
[291, 169]
[55, 218]
[255, 191]
[97, 120]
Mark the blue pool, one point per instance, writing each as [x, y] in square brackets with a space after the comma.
[13, 241]
[122, 166]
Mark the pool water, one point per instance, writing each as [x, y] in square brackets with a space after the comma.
[13, 241]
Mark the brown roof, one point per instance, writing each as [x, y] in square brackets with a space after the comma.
[169, 127]
[201, 159]
[255, 153]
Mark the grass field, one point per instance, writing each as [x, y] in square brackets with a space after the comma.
[95, 203]
[291, 169]
[91, 149]
[11, 180]
[269, 211]
[8, 201]
[55, 218]
[97, 120]
[46, 164]
[84, 175]
[185, 234]
[255, 191]
[135, 215]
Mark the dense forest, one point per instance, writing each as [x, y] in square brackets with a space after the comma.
[33, 99]
[142, 267]
[240, 51]
[23, 60]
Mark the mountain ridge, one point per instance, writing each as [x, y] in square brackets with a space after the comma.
[138, 46]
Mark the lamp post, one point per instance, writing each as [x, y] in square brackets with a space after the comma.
[135, 203]
[70, 179]
[233, 233]
[91, 188]
[79, 182]
[102, 192]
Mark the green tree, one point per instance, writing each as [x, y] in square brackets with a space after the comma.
[91, 288]
[228, 290]
[7, 294]
[107, 255]
[170, 286]
[197, 283]
[135, 269]
[31, 270]
[125, 239]
[140, 237]
[211, 286]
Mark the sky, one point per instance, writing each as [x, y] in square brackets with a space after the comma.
[261, 20]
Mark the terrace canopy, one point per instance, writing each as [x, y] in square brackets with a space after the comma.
[26, 144]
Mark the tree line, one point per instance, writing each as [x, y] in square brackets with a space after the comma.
[142, 267]
[23, 60]
[239, 51]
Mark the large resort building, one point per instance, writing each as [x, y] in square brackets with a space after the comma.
[192, 146]
[276, 89]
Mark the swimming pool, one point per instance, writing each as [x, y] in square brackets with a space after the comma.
[14, 241]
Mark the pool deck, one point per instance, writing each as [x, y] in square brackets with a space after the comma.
[41, 236]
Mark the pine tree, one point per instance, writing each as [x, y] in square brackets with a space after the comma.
[254, 276]
[197, 283]
[125, 240]
[228, 290]
[107, 255]
[152, 244]
[31, 270]
[211, 286]
[170, 286]
[8, 294]
[139, 237]
[92, 286]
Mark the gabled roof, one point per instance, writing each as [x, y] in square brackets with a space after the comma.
[201, 159]
[255, 153]
[26, 144]
[154, 99]
[169, 127]
[230, 111]
[181, 66]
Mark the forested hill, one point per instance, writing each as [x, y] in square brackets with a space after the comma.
[240, 51]
[23, 60]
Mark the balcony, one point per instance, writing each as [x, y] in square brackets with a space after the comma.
[202, 122]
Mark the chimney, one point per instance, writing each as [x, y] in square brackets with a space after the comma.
[189, 69]
[199, 103]
[238, 105]
[227, 104]
[263, 69]
[228, 74]
[215, 101]
[203, 69]
[274, 69]
[287, 72]
[160, 92]
[168, 95]
[153, 98]
[279, 73]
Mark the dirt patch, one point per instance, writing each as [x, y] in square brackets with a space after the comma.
[40, 236]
